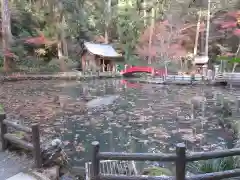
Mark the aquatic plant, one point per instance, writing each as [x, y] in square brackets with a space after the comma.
[213, 165]
[1, 108]
[220, 164]
[157, 171]
[229, 58]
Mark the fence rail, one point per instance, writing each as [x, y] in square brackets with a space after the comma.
[181, 158]
[7, 138]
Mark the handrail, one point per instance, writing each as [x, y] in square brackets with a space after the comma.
[195, 156]
[136, 156]
[7, 138]
[180, 158]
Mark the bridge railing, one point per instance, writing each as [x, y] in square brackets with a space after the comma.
[181, 158]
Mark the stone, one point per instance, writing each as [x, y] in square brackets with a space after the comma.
[67, 177]
[52, 173]
[77, 170]
[29, 176]
[22, 176]
[198, 99]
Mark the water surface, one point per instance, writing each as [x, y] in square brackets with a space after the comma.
[123, 117]
[147, 118]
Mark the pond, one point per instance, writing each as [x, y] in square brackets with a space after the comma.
[134, 117]
[147, 118]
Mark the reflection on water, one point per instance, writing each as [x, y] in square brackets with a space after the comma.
[147, 118]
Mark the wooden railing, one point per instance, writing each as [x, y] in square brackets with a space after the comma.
[181, 158]
[7, 138]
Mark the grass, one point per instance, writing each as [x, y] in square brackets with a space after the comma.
[157, 171]
[1, 108]
[229, 59]
[214, 165]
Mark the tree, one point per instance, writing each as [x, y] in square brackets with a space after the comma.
[6, 36]
[169, 41]
[228, 24]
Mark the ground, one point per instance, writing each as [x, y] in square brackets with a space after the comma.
[11, 164]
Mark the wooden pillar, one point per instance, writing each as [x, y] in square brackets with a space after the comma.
[114, 68]
[95, 161]
[103, 65]
[180, 161]
[153, 72]
[83, 62]
[3, 131]
[36, 144]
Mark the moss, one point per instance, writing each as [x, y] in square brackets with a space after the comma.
[157, 171]
[1, 108]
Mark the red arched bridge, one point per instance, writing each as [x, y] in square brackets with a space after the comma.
[141, 69]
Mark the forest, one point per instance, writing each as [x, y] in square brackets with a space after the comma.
[47, 35]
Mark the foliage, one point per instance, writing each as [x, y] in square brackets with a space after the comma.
[126, 22]
[157, 171]
[229, 59]
[1, 108]
[215, 165]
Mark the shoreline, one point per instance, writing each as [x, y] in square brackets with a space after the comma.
[56, 76]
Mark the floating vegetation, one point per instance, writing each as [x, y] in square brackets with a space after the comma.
[144, 119]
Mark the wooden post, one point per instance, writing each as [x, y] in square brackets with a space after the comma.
[95, 161]
[153, 72]
[192, 111]
[114, 69]
[180, 161]
[237, 104]
[3, 131]
[103, 65]
[163, 77]
[192, 78]
[36, 144]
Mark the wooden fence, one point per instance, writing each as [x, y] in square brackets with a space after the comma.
[8, 138]
[181, 158]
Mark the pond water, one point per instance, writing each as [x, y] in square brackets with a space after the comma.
[147, 118]
[133, 117]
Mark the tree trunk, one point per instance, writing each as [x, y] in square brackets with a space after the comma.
[6, 36]
[62, 44]
[150, 37]
[197, 33]
[63, 38]
[207, 28]
[145, 12]
[236, 55]
[107, 20]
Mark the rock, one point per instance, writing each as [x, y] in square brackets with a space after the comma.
[181, 118]
[197, 100]
[106, 100]
[77, 170]
[30, 176]
[56, 142]
[52, 173]
[67, 177]
[157, 171]
[52, 151]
